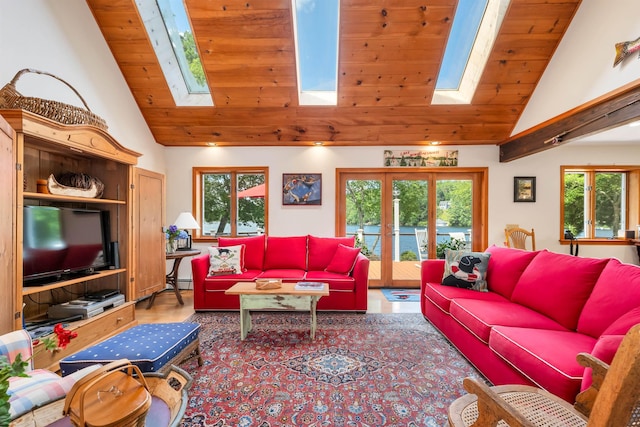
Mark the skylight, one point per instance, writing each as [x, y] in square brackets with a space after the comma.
[463, 36]
[316, 35]
[172, 39]
[475, 28]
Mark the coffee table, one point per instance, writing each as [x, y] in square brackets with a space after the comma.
[284, 298]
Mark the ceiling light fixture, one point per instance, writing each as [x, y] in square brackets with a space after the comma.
[318, 143]
[554, 141]
[211, 144]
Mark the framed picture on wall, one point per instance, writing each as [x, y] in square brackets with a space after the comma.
[301, 189]
[524, 189]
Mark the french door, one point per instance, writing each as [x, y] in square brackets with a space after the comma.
[401, 217]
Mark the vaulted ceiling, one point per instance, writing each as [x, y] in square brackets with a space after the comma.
[389, 58]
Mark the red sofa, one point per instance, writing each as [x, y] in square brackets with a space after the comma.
[293, 259]
[541, 310]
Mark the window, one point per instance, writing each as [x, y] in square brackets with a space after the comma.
[475, 28]
[596, 199]
[316, 39]
[230, 201]
[170, 34]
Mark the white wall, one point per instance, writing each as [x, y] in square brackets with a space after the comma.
[61, 37]
[543, 215]
[582, 67]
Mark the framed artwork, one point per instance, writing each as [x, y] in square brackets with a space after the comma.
[301, 189]
[524, 189]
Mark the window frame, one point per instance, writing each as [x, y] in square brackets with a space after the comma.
[198, 172]
[632, 196]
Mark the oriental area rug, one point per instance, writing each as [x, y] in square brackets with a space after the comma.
[361, 370]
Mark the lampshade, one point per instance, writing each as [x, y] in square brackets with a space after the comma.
[186, 221]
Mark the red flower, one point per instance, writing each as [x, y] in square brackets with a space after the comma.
[64, 335]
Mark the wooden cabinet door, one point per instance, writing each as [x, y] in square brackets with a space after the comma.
[10, 306]
[148, 266]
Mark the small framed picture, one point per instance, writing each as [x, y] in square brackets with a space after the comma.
[524, 189]
[301, 189]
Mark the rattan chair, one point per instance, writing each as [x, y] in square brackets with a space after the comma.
[612, 400]
[516, 237]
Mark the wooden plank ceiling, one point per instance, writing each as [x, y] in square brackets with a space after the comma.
[389, 58]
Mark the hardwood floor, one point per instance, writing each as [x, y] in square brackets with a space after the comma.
[167, 309]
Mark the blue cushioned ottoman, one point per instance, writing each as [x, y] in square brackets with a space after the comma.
[150, 346]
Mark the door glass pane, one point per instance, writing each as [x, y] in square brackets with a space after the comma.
[454, 203]
[409, 241]
[251, 195]
[216, 204]
[363, 219]
[609, 218]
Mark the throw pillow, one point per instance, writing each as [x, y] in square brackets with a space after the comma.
[226, 260]
[464, 269]
[343, 260]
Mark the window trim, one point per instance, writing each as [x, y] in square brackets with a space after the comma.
[197, 173]
[632, 214]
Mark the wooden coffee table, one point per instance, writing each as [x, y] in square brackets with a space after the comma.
[284, 298]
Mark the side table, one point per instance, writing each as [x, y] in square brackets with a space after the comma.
[172, 276]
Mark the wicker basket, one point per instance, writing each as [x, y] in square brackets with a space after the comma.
[60, 112]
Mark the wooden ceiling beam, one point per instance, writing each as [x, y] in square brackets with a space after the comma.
[603, 113]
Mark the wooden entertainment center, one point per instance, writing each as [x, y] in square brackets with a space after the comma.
[37, 148]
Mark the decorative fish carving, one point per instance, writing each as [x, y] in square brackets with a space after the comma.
[625, 49]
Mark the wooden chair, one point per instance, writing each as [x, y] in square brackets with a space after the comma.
[516, 237]
[422, 239]
[612, 400]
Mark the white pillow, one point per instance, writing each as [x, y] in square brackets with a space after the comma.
[226, 260]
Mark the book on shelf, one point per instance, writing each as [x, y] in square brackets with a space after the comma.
[301, 286]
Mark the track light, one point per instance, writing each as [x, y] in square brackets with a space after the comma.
[555, 140]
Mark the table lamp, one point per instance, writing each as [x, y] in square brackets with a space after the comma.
[186, 221]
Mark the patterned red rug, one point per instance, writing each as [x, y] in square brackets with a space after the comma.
[361, 370]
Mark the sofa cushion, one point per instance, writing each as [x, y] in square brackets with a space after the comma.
[442, 295]
[226, 260]
[611, 297]
[253, 250]
[336, 281]
[505, 268]
[547, 358]
[622, 324]
[558, 285]
[322, 249]
[287, 274]
[343, 260]
[224, 282]
[480, 316]
[610, 340]
[464, 269]
[286, 252]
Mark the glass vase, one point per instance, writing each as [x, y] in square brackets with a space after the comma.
[172, 246]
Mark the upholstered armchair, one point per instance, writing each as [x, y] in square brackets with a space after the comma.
[41, 387]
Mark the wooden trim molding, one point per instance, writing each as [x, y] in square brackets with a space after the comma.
[606, 112]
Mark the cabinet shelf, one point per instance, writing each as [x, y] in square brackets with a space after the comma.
[59, 198]
[29, 290]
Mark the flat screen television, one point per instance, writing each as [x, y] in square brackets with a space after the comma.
[59, 241]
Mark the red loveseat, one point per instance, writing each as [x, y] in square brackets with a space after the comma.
[292, 259]
[541, 310]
